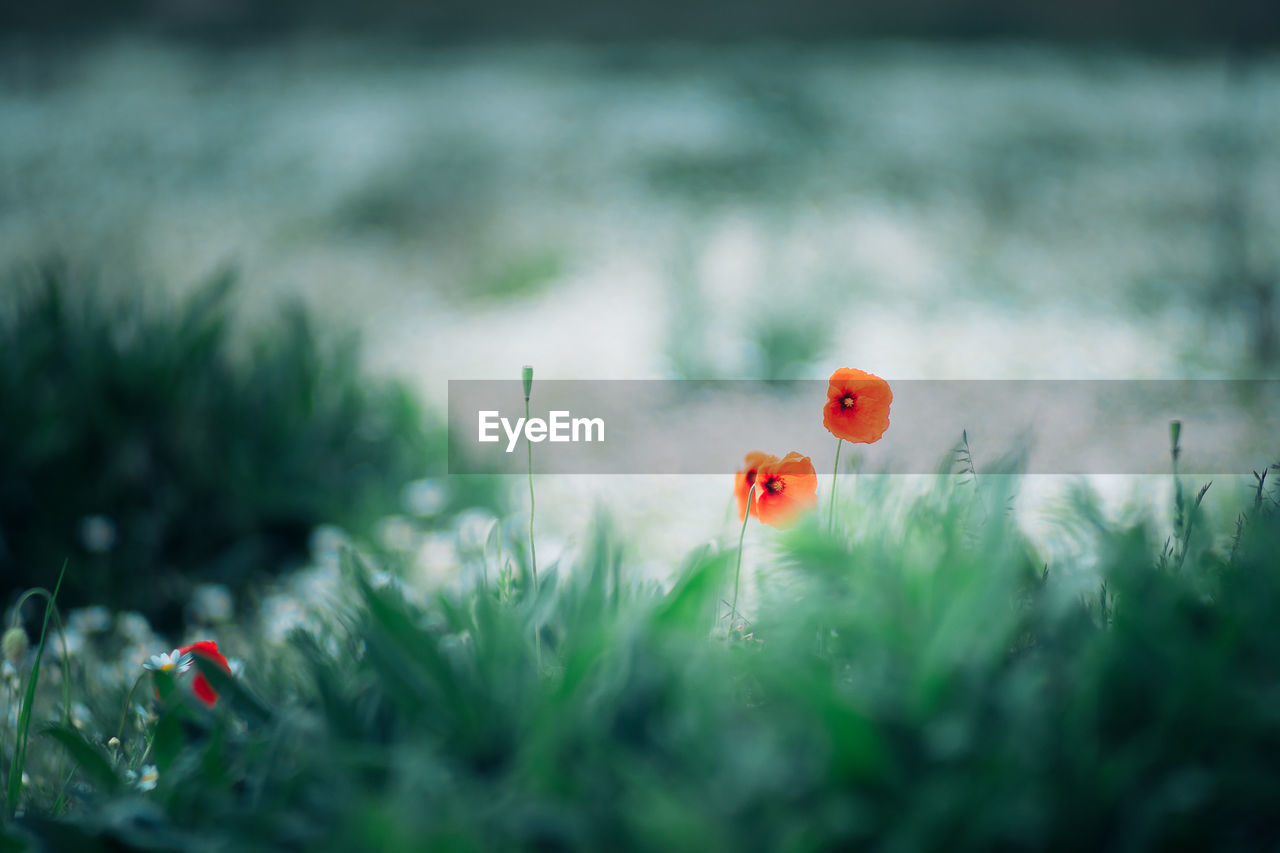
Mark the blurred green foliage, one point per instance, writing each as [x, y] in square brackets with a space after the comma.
[921, 684]
[155, 451]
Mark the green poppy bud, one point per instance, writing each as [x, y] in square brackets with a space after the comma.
[15, 645]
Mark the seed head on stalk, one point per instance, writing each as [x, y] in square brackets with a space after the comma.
[526, 377]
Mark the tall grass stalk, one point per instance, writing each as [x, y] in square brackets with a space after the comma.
[62, 634]
[533, 553]
[1183, 515]
[526, 377]
[1175, 430]
[128, 702]
[24, 715]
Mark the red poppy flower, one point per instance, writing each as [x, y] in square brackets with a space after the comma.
[207, 649]
[857, 408]
[746, 478]
[784, 489]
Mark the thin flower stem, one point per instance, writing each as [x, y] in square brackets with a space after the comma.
[128, 700]
[533, 553]
[737, 574]
[831, 512]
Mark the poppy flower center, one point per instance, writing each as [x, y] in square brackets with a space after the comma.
[847, 401]
[774, 484]
[751, 477]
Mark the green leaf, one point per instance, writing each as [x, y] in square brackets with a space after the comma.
[168, 740]
[90, 759]
[230, 689]
[10, 843]
[166, 687]
[689, 604]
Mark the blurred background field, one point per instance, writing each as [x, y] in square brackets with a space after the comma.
[761, 210]
[640, 209]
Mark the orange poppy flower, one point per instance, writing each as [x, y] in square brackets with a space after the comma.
[746, 478]
[784, 488]
[201, 686]
[857, 408]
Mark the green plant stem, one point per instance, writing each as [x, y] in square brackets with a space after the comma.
[124, 714]
[4, 721]
[737, 574]
[533, 552]
[62, 634]
[831, 512]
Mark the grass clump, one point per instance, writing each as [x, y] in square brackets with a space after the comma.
[155, 449]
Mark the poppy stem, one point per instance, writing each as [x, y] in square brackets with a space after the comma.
[831, 512]
[737, 574]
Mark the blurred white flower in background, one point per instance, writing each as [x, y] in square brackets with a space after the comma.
[9, 675]
[473, 528]
[320, 585]
[97, 534]
[437, 560]
[90, 620]
[425, 497]
[69, 644]
[380, 579]
[80, 715]
[397, 533]
[285, 612]
[327, 544]
[298, 597]
[133, 626]
[121, 671]
[212, 604]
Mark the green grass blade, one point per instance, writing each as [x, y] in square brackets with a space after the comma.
[24, 716]
[686, 605]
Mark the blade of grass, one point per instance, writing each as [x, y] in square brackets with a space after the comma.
[24, 715]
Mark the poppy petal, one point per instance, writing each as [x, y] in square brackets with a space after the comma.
[857, 407]
[784, 489]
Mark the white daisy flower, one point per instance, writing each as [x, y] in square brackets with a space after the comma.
[145, 780]
[174, 662]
